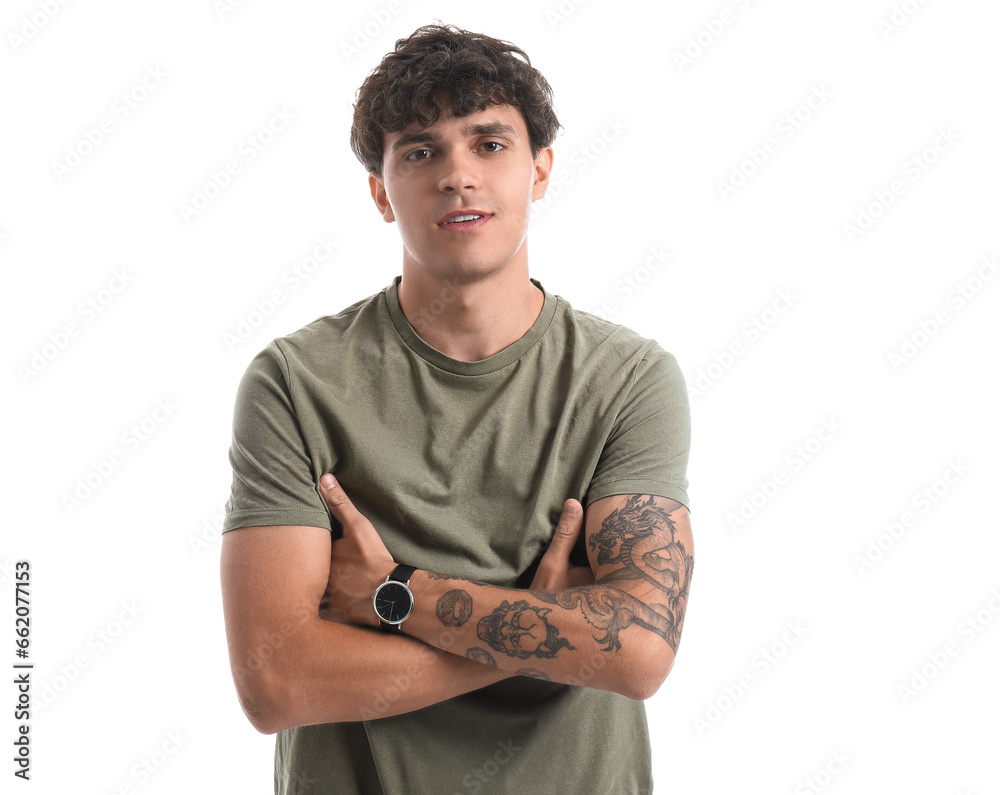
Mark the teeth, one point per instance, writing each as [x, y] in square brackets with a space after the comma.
[459, 218]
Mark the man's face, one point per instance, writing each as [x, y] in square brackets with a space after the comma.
[432, 179]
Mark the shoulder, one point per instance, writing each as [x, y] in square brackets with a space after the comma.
[591, 336]
[314, 346]
[358, 318]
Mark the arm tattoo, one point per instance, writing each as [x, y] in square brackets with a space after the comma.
[521, 630]
[633, 536]
[481, 656]
[612, 610]
[641, 537]
[434, 576]
[454, 608]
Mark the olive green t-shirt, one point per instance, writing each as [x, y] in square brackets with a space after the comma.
[463, 468]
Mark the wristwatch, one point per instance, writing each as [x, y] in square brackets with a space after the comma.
[394, 599]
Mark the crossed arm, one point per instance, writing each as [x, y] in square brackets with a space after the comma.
[614, 629]
[293, 668]
[618, 633]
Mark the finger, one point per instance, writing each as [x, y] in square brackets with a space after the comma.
[338, 502]
[567, 531]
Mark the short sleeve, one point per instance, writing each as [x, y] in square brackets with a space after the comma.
[647, 449]
[273, 481]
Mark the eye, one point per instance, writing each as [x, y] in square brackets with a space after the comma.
[493, 146]
[419, 154]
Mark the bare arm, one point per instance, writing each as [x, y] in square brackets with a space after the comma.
[619, 633]
[292, 668]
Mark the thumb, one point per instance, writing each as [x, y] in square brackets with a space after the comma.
[338, 502]
[567, 530]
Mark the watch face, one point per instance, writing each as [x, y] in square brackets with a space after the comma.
[393, 602]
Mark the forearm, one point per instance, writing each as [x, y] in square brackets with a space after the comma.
[597, 635]
[293, 668]
[318, 671]
[619, 633]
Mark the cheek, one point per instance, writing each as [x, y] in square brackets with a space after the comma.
[399, 195]
[518, 205]
[401, 212]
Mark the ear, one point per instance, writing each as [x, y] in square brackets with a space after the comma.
[543, 170]
[377, 186]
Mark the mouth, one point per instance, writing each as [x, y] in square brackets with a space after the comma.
[461, 220]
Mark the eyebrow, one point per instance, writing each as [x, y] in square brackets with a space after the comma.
[470, 130]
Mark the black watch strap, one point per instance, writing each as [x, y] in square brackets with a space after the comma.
[401, 573]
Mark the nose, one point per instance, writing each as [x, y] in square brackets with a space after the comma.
[459, 172]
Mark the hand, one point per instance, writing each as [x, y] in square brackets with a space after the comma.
[359, 562]
[555, 572]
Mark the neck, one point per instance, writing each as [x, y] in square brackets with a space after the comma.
[469, 320]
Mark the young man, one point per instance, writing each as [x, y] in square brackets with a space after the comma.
[415, 624]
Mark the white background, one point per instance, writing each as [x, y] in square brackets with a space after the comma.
[650, 140]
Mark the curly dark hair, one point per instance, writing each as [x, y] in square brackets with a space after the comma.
[441, 64]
